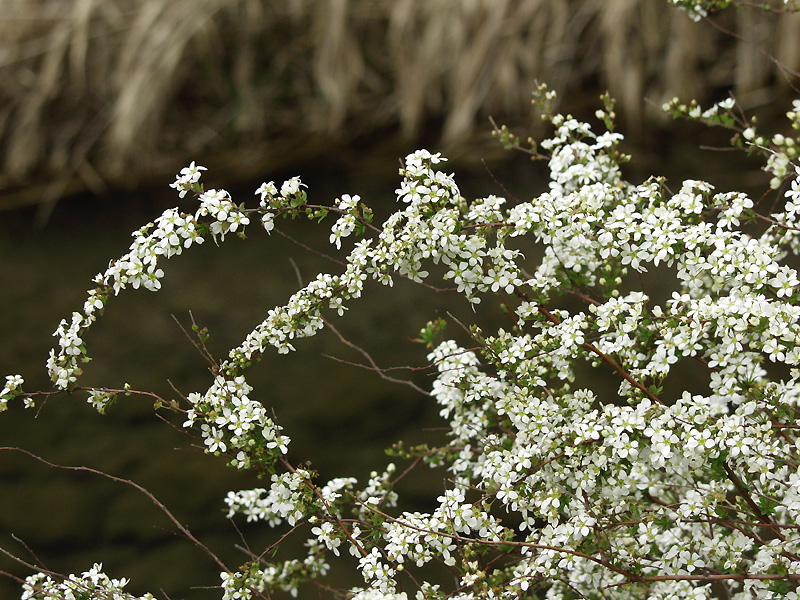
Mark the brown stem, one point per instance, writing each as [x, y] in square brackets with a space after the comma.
[198, 343]
[606, 359]
[373, 366]
[318, 494]
[170, 516]
[745, 495]
[510, 310]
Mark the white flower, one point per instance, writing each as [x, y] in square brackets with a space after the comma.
[291, 187]
[189, 176]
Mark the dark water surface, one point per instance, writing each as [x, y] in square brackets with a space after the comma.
[339, 417]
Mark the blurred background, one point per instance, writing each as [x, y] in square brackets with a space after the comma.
[103, 101]
[100, 95]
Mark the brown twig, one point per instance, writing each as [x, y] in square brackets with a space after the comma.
[308, 248]
[136, 486]
[785, 71]
[373, 366]
[198, 343]
[606, 359]
[745, 495]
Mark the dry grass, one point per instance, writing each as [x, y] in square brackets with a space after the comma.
[96, 93]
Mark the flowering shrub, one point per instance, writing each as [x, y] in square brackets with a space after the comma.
[553, 488]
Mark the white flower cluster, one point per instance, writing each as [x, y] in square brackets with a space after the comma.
[288, 500]
[378, 490]
[90, 584]
[556, 449]
[300, 317]
[232, 422]
[374, 594]
[346, 224]
[328, 535]
[379, 576]
[168, 236]
[780, 151]
[421, 537]
[403, 244]
[286, 576]
[271, 201]
[188, 179]
[226, 216]
[12, 388]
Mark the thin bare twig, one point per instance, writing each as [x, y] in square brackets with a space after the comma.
[198, 343]
[373, 366]
[785, 71]
[188, 534]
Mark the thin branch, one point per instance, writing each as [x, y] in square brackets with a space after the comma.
[17, 579]
[785, 71]
[32, 567]
[136, 486]
[373, 366]
[492, 175]
[310, 249]
[28, 548]
[198, 343]
[607, 359]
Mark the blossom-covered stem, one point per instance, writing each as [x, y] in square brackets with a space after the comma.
[506, 543]
[741, 489]
[606, 359]
[331, 513]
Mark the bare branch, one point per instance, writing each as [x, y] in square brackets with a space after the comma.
[137, 487]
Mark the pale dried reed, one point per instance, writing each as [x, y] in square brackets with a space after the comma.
[99, 92]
